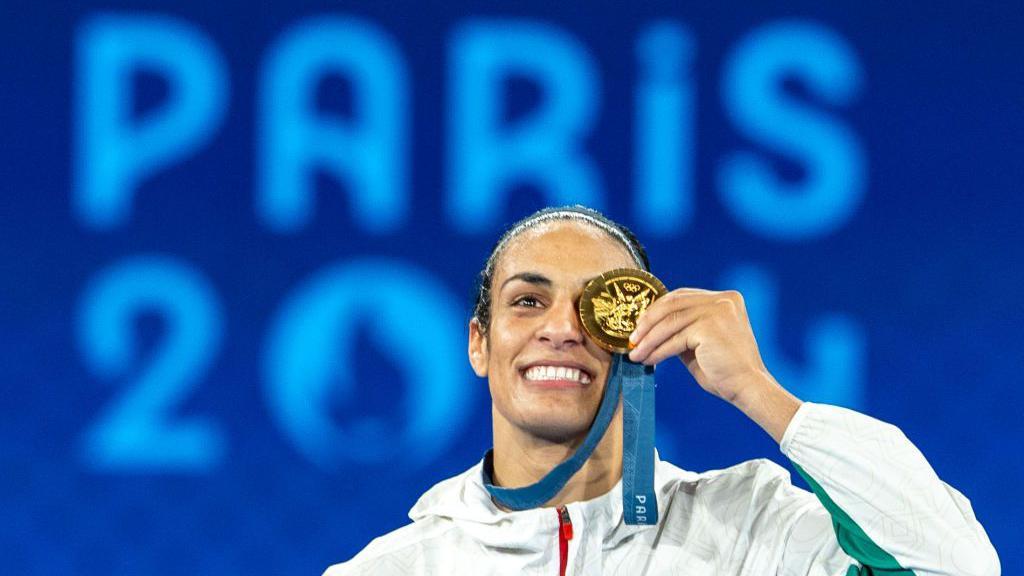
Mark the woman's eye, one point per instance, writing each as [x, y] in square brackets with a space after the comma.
[526, 301]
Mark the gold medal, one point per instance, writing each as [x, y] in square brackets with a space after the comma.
[612, 302]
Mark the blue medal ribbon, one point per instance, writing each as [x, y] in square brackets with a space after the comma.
[635, 382]
[639, 502]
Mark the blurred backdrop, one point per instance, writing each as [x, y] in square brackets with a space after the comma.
[240, 241]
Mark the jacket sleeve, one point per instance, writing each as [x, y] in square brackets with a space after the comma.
[890, 513]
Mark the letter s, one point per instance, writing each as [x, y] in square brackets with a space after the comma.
[754, 99]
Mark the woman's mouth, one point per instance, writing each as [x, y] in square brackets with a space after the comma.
[556, 375]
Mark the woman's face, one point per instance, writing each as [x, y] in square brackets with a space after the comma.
[546, 377]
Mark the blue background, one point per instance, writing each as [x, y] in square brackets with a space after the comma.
[290, 422]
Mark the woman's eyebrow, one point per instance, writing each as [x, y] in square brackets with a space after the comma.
[530, 278]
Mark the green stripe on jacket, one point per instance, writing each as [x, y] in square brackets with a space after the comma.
[853, 540]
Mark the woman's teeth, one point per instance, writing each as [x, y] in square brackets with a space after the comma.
[557, 373]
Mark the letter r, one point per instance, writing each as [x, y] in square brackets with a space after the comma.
[487, 156]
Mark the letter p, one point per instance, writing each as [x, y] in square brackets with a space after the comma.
[114, 152]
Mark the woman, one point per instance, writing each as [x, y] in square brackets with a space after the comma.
[877, 504]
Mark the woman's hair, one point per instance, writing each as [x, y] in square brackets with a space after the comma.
[576, 213]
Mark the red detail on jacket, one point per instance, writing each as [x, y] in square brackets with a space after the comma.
[564, 535]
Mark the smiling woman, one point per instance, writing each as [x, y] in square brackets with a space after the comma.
[539, 272]
[876, 506]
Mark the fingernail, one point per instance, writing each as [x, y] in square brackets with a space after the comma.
[632, 339]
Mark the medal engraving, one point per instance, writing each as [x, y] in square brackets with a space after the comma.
[612, 302]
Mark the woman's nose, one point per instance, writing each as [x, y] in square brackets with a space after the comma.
[562, 325]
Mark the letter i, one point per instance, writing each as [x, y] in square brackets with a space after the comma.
[664, 159]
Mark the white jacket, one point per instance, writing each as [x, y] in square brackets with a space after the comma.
[879, 504]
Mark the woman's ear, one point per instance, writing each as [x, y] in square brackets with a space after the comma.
[477, 348]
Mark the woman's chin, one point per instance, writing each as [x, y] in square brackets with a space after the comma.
[559, 430]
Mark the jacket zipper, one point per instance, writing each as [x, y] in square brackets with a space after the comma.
[564, 535]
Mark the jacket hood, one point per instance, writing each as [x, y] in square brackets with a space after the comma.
[464, 501]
